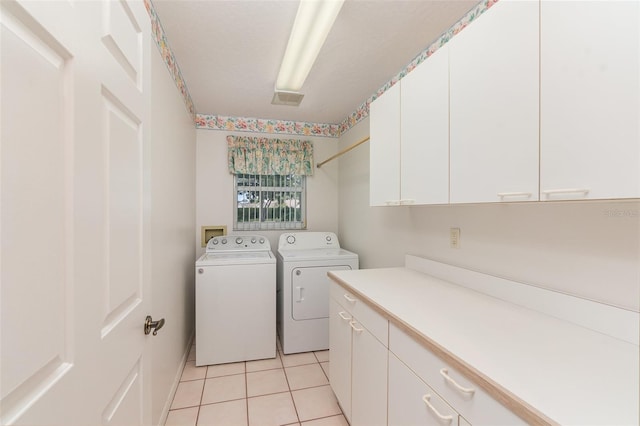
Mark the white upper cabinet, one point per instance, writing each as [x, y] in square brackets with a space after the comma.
[424, 152]
[494, 106]
[590, 100]
[384, 148]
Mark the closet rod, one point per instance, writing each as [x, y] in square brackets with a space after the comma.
[344, 151]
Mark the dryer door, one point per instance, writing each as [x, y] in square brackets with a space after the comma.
[310, 291]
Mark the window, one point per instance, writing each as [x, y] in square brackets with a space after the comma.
[269, 202]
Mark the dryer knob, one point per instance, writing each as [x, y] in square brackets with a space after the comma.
[261, 240]
[238, 240]
[215, 242]
[224, 241]
[253, 241]
[328, 238]
[291, 239]
[201, 271]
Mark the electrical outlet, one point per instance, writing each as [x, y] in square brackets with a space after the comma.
[454, 238]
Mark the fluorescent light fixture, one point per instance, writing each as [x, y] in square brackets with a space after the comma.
[313, 22]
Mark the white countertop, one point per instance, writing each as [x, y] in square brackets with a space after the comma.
[569, 373]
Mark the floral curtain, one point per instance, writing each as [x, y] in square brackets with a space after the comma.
[268, 156]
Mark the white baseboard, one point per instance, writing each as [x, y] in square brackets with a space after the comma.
[176, 382]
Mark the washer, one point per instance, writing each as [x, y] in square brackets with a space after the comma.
[235, 300]
[304, 258]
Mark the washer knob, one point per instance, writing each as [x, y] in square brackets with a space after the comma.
[328, 238]
[253, 241]
[261, 240]
[238, 240]
[215, 242]
[224, 241]
[291, 239]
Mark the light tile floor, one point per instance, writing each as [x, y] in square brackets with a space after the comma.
[287, 390]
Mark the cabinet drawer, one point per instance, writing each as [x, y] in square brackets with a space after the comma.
[336, 292]
[414, 403]
[466, 397]
[360, 311]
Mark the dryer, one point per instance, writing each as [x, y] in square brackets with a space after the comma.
[303, 260]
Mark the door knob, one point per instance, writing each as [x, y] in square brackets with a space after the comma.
[149, 323]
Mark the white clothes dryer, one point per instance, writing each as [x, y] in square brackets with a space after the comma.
[303, 260]
[235, 300]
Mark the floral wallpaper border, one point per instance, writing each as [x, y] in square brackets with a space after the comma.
[159, 36]
[259, 125]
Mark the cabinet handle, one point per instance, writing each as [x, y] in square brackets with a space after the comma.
[343, 316]
[426, 400]
[392, 202]
[550, 192]
[349, 299]
[514, 194]
[445, 373]
[352, 324]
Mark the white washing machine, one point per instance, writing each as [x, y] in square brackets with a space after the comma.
[235, 300]
[304, 258]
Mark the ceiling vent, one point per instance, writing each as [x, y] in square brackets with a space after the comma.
[281, 97]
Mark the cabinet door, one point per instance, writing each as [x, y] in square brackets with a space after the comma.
[424, 176]
[369, 379]
[494, 100]
[407, 394]
[340, 350]
[384, 148]
[590, 99]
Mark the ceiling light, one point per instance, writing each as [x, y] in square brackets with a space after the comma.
[313, 22]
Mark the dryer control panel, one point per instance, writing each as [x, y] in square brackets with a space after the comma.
[238, 243]
[308, 240]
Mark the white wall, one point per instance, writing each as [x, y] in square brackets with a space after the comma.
[214, 186]
[590, 249]
[173, 137]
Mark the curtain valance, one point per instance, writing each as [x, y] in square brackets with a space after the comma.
[268, 156]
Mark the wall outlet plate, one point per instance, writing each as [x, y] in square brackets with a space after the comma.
[454, 238]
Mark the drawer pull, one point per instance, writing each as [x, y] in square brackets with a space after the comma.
[342, 315]
[445, 373]
[352, 324]
[513, 194]
[426, 400]
[551, 192]
[349, 298]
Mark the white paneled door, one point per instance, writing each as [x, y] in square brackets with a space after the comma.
[74, 212]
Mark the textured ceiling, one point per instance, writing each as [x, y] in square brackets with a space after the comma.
[229, 52]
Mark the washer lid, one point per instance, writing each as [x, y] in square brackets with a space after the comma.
[316, 254]
[236, 258]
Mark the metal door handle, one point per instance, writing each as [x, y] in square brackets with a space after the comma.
[149, 323]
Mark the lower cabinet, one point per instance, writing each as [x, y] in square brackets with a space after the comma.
[340, 350]
[383, 376]
[462, 394]
[368, 378]
[358, 373]
[413, 402]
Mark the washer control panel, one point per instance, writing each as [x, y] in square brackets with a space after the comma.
[238, 242]
[308, 240]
